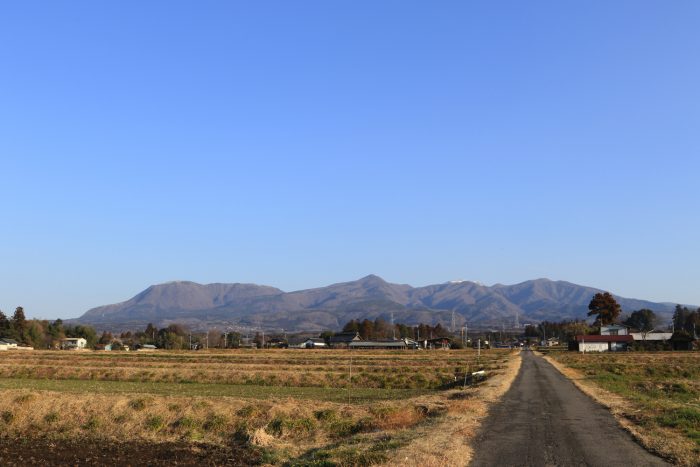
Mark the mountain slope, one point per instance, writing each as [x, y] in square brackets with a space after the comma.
[239, 305]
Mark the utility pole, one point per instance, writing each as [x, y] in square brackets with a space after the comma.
[190, 341]
[349, 378]
[207, 339]
[393, 328]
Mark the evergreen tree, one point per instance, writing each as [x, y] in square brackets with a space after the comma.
[4, 325]
[19, 324]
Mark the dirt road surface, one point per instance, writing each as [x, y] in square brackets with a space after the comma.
[544, 420]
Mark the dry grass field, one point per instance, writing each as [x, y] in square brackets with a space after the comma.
[656, 396]
[293, 407]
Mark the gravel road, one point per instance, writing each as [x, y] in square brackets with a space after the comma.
[544, 420]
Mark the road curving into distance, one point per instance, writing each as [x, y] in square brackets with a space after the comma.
[544, 420]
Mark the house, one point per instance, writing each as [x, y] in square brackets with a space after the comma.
[604, 343]
[551, 342]
[614, 330]
[343, 339]
[401, 344]
[73, 343]
[105, 347]
[314, 343]
[8, 343]
[277, 343]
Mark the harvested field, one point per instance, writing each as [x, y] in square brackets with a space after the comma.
[656, 395]
[253, 407]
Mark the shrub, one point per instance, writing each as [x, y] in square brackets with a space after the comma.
[7, 416]
[325, 415]
[214, 422]
[24, 398]
[155, 423]
[137, 404]
[186, 423]
[91, 424]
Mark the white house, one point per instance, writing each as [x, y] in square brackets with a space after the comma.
[606, 343]
[7, 344]
[614, 330]
[73, 343]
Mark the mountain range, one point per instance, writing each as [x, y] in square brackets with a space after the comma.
[202, 306]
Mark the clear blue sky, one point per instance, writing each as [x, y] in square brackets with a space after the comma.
[300, 143]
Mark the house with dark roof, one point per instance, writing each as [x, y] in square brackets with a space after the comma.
[400, 344]
[342, 340]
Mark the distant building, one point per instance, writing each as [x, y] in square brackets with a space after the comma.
[614, 330]
[384, 344]
[343, 339]
[651, 336]
[7, 343]
[73, 343]
[314, 343]
[147, 348]
[605, 343]
[438, 343]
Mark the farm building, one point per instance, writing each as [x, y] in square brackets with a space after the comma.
[438, 343]
[605, 343]
[7, 343]
[73, 343]
[342, 340]
[651, 336]
[314, 343]
[384, 345]
[147, 348]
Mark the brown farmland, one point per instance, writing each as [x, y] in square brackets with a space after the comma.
[243, 407]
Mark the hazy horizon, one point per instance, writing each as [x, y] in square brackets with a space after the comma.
[298, 144]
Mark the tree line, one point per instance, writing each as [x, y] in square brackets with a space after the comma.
[380, 329]
[42, 334]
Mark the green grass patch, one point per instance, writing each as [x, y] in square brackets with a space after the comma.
[358, 395]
